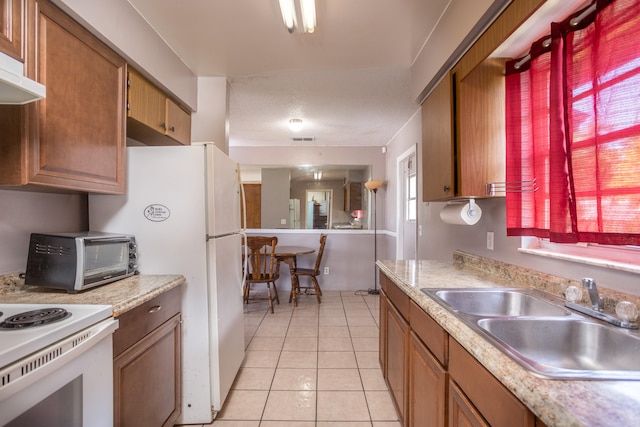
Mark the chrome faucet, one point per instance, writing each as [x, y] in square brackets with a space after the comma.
[596, 300]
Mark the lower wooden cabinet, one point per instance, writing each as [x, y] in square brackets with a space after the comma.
[493, 400]
[427, 400]
[147, 363]
[396, 348]
[432, 379]
[462, 413]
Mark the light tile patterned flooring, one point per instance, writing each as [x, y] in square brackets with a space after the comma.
[315, 365]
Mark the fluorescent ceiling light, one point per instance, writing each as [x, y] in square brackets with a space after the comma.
[308, 14]
[308, 9]
[288, 14]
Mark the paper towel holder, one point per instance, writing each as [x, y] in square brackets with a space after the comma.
[473, 211]
[470, 213]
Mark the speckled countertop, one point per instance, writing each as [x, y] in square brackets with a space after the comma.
[555, 402]
[123, 295]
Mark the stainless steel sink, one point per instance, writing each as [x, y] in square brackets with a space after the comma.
[567, 347]
[492, 302]
[537, 331]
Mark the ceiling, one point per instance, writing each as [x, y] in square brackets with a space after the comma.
[348, 81]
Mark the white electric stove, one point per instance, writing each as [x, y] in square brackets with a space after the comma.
[56, 351]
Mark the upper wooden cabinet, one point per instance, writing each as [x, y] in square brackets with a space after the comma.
[11, 13]
[437, 143]
[463, 131]
[481, 140]
[152, 117]
[74, 139]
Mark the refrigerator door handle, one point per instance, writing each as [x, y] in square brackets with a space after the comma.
[245, 263]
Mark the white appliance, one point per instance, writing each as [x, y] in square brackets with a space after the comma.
[56, 365]
[183, 206]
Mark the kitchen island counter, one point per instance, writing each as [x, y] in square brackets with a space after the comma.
[123, 295]
[555, 402]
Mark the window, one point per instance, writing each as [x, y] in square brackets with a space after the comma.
[411, 197]
[573, 125]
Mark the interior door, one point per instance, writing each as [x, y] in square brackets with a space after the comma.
[407, 205]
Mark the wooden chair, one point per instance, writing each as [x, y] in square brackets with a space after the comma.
[261, 268]
[312, 273]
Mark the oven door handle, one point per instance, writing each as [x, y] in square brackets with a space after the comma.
[28, 370]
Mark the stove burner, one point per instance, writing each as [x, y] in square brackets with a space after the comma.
[34, 318]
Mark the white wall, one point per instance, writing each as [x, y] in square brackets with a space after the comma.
[23, 213]
[211, 122]
[348, 254]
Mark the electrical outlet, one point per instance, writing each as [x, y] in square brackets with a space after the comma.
[490, 240]
[326, 270]
[283, 221]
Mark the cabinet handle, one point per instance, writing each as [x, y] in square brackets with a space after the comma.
[446, 188]
[155, 309]
[172, 129]
[163, 126]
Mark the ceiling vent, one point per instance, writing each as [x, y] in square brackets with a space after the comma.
[304, 139]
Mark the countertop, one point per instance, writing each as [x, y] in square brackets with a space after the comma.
[555, 402]
[123, 295]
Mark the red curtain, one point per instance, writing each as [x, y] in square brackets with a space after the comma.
[593, 138]
[527, 126]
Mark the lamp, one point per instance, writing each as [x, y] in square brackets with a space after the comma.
[308, 12]
[317, 175]
[295, 125]
[373, 185]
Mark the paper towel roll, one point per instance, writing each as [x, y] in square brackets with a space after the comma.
[461, 213]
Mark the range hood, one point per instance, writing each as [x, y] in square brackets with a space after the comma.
[15, 88]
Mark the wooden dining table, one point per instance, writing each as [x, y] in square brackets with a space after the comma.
[288, 255]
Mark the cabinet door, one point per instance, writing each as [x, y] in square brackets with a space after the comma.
[76, 134]
[178, 123]
[147, 379]
[145, 103]
[462, 413]
[428, 380]
[481, 125]
[396, 358]
[437, 143]
[382, 341]
[492, 399]
[11, 28]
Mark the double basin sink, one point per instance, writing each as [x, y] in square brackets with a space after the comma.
[536, 330]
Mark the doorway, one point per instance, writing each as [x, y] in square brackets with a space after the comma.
[318, 211]
[407, 204]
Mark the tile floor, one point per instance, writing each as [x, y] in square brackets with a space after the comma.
[315, 365]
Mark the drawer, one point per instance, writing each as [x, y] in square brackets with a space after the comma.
[399, 299]
[493, 400]
[430, 332]
[139, 321]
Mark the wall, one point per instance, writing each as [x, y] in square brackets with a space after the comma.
[211, 121]
[23, 213]
[348, 254]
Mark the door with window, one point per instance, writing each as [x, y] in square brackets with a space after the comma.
[407, 210]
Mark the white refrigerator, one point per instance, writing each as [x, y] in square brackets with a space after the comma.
[183, 206]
